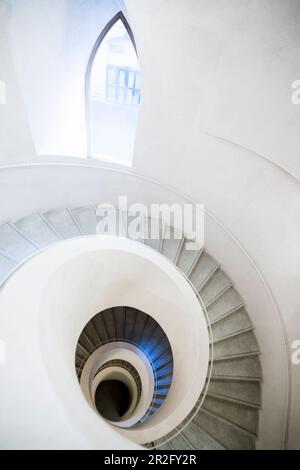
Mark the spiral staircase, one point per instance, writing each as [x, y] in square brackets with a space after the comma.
[228, 417]
[129, 325]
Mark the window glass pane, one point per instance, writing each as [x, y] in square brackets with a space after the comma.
[111, 92]
[121, 94]
[131, 76]
[111, 74]
[136, 97]
[137, 81]
[121, 78]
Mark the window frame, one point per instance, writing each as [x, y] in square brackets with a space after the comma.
[119, 16]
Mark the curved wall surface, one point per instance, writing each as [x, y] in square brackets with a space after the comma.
[223, 69]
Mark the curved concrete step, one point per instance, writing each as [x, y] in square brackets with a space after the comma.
[15, 245]
[243, 415]
[226, 433]
[232, 323]
[199, 439]
[86, 219]
[248, 391]
[228, 303]
[187, 259]
[216, 286]
[180, 443]
[172, 243]
[204, 268]
[36, 229]
[84, 345]
[109, 323]
[166, 446]
[63, 223]
[247, 366]
[243, 342]
[192, 437]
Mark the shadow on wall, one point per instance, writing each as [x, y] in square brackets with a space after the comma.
[52, 81]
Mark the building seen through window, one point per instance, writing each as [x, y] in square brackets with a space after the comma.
[122, 85]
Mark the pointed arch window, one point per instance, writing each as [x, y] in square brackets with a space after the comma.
[113, 94]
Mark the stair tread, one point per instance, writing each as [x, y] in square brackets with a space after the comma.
[244, 391]
[228, 422]
[171, 245]
[235, 378]
[62, 222]
[246, 365]
[229, 435]
[203, 270]
[233, 335]
[187, 258]
[179, 443]
[234, 400]
[217, 285]
[243, 343]
[199, 438]
[86, 218]
[227, 303]
[36, 230]
[14, 245]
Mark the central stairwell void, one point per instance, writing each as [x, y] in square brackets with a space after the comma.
[123, 326]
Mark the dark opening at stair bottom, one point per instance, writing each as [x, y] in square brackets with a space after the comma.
[112, 399]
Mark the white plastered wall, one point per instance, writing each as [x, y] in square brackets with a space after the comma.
[15, 137]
